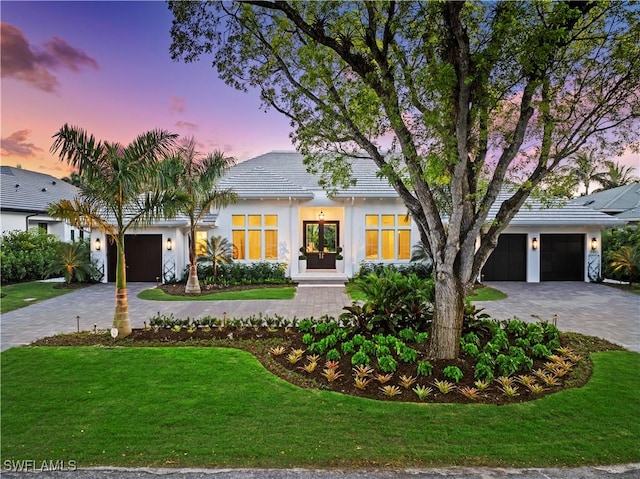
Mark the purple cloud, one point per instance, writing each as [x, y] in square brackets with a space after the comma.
[186, 125]
[31, 64]
[176, 105]
[16, 145]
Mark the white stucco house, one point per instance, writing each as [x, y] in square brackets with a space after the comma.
[282, 209]
[25, 197]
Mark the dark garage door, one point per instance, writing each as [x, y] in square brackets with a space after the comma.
[562, 257]
[508, 262]
[143, 254]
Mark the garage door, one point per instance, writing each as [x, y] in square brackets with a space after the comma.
[562, 257]
[143, 254]
[508, 262]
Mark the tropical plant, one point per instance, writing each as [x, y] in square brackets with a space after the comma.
[407, 381]
[453, 372]
[584, 169]
[615, 175]
[422, 391]
[390, 391]
[470, 392]
[197, 176]
[219, 251]
[120, 190]
[383, 378]
[362, 371]
[626, 261]
[331, 374]
[74, 260]
[361, 382]
[445, 387]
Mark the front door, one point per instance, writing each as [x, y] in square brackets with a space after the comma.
[321, 242]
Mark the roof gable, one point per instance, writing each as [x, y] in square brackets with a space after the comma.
[614, 200]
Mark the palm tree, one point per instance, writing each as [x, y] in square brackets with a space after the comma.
[119, 190]
[585, 169]
[196, 176]
[626, 261]
[74, 260]
[219, 251]
[615, 175]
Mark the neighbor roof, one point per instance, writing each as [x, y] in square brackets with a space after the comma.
[622, 202]
[30, 191]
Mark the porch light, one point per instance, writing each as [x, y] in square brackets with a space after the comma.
[321, 216]
[98, 244]
[534, 244]
[594, 244]
[169, 244]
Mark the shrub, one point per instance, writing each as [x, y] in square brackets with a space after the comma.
[74, 261]
[28, 255]
[263, 272]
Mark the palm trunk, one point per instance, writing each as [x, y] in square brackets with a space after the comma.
[193, 285]
[121, 318]
[446, 329]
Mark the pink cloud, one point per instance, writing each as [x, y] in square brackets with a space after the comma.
[186, 125]
[16, 145]
[31, 64]
[176, 105]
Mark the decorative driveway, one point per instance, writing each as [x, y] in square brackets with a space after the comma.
[593, 309]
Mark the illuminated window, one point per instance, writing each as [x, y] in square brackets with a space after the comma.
[201, 243]
[255, 237]
[387, 237]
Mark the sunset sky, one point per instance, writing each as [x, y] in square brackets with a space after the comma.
[105, 67]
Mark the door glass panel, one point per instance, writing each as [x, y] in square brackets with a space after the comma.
[313, 238]
[330, 238]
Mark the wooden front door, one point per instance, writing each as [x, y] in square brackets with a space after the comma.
[321, 243]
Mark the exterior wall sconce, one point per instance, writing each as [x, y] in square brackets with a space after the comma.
[321, 216]
[534, 244]
[169, 244]
[594, 244]
[98, 244]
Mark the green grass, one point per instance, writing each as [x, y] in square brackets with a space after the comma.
[215, 407]
[287, 292]
[487, 294]
[15, 295]
[481, 294]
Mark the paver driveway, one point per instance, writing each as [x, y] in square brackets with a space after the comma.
[593, 309]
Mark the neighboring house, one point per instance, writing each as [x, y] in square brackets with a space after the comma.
[622, 202]
[282, 209]
[25, 197]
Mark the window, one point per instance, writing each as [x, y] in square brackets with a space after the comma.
[255, 237]
[201, 243]
[43, 226]
[387, 237]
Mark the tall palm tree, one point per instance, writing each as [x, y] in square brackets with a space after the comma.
[119, 190]
[196, 176]
[585, 169]
[615, 175]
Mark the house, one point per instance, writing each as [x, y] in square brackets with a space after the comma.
[25, 197]
[283, 213]
[622, 202]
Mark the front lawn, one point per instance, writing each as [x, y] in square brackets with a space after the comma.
[16, 296]
[285, 292]
[216, 407]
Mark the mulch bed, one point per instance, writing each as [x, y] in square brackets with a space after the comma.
[177, 289]
[260, 342]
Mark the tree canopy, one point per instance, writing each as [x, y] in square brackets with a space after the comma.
[454, 96]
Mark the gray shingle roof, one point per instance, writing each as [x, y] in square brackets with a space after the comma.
[623, 201]
[283, 175]
[29, 191]
[535, 213]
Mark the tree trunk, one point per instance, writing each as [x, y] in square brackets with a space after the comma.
[446, 329]
[193, 285]
[121, 317]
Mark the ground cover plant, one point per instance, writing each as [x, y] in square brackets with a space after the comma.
[196, 406]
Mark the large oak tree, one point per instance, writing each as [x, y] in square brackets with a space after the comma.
[459, 97]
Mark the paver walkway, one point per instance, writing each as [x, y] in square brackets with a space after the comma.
[593, 309]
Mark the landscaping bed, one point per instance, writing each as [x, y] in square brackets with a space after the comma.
[275, 348]
[177, 289]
